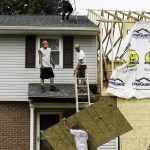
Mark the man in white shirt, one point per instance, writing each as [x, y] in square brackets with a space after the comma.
[81, 66]
[81, 62]
[80, 136]
[46, 62]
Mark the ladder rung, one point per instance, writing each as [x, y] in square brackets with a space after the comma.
[82, 86]
[81, 78]
[84, 94]
[83, 102]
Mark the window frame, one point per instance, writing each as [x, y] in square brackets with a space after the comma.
[60, 49]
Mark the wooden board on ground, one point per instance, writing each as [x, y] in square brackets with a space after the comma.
[103, 122]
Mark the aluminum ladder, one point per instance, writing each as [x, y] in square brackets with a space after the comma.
[82, 92]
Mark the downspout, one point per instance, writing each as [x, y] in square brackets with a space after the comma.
[31, 126]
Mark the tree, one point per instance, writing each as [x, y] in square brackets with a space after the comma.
[44, 7]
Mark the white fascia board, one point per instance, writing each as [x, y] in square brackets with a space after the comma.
[48, 30]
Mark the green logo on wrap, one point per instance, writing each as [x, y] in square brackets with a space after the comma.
[147, 58]
[133, 58]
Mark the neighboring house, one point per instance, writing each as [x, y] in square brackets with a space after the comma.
[24, 110]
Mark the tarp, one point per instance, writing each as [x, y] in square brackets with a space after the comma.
[132, 79]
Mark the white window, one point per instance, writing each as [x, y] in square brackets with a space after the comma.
[55, 43]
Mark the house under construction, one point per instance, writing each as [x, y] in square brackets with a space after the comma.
[114, 26]
[27, 114]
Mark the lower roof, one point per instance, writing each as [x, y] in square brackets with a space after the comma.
[66, 91]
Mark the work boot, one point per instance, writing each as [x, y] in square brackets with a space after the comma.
[53, 88]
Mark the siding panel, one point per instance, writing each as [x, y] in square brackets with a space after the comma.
[111, 145]
[14, 77]
[88, 45]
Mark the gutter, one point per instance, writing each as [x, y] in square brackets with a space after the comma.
[31, 127]
[48, 30]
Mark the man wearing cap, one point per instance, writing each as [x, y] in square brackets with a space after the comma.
[46, 62]
[81, 62]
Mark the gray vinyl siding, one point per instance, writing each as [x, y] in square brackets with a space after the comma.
[111, 145]
[88, 45]
[14, 77]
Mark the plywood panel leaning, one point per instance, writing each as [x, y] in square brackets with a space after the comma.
[102, 121]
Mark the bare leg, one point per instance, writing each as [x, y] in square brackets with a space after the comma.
[42, 86]
[83, 82]
[42, 82]
[51, 81]
[52, 87]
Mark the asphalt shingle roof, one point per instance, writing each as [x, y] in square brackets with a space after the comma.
[65, 91]
[45, 21]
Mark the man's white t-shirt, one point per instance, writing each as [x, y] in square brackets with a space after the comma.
[81, 138]
[81, 55]
[46, 54]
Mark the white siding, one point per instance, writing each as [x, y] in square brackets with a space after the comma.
[112, 145]
[14, 77]
[88, 45]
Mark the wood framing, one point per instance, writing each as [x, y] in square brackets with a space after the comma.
[114, 26]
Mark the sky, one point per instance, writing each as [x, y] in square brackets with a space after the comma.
[82, 5]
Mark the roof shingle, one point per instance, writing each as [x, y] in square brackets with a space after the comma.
[65, 91]
[45, 21]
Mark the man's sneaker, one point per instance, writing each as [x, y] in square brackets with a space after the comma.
[42, 89]
[53, 88]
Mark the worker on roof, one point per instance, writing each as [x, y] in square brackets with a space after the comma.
[66, 9]
[47, 63]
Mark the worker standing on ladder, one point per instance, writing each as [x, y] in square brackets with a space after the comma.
[81, 63]
[82, 90]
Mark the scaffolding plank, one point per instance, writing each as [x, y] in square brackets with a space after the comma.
[103, 122]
